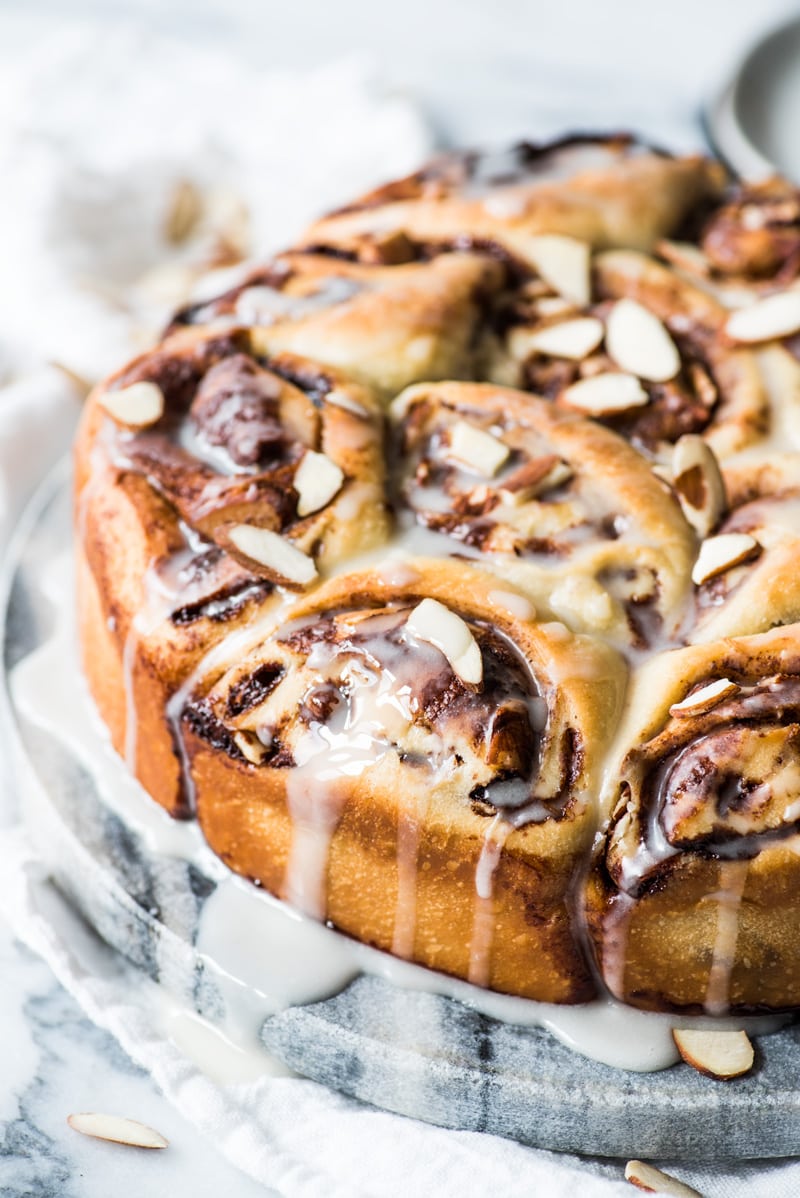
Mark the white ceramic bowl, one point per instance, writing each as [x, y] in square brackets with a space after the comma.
[755, 122]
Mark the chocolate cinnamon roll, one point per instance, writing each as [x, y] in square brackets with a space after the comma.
[211, 483]
[692, 901]
[605, 190]
[411, 757]
[646, 354]
[402, 316]
[560, 506]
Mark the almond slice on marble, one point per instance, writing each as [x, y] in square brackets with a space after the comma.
[699, 702]
[639, 343]
[274, 552]
[432, 621]
[721, 553]
[564, 263]
[655, 1181]
[766, 319]
[480, 451]
[574, 339]
[699, 484]
[606, 393]
[720, 1054]
[317, 479]
[117, 1129]
[138, 406]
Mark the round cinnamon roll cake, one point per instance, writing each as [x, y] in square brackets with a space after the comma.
[445, 571]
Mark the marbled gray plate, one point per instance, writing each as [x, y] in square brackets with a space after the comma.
[414, 1053]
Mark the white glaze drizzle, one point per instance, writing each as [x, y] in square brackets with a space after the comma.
[411, 811]
[732, 876]
[483, 924]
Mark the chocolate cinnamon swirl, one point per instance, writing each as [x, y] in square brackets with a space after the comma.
[410, 756]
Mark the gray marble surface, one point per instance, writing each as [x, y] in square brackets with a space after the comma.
[53, 1062]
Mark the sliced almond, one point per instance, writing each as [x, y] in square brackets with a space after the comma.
[553, 305]
[479, 450]
[654, 1181]
[563, 262]
[699, 483]
[639, 343]
[574, 339]
[274, 552]
[340, 399]
[767, 319]
[699, 702]
[117, 1129]
[719, 1054]
[606, 393]
[431, 621]
[535, 478]
[250, 747]
[138, 406]
[317, 479]
[721, 553]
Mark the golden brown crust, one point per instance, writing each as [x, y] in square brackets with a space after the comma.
[385, 325]
[606, 191]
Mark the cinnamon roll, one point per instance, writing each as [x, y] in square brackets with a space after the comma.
[692, 901]
[387, 322]
[411, 757]
[604, 190]
[559, 505]
[647, 355]
[211, 482]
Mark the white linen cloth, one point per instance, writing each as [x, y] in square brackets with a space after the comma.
[89, 152]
